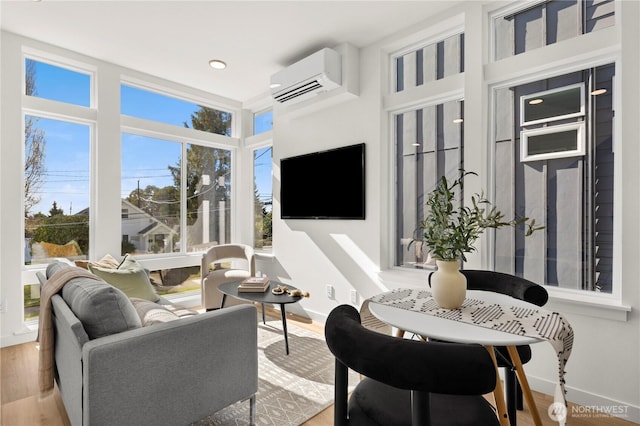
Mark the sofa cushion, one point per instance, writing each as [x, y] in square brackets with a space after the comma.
[107, 261]
[130, 277]
[153, 313]
[102, 308]
[56, 266]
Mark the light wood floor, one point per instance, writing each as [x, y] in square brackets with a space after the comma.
[21, 405]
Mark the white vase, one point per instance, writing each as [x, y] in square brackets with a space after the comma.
[448, 284]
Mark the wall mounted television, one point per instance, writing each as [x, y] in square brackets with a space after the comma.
[324, 185]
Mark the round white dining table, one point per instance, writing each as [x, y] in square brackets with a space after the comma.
[433, 327]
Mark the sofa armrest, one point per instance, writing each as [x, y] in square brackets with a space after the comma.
[172, 373]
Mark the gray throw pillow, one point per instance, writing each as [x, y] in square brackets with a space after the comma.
[56, 266]
[102, 308]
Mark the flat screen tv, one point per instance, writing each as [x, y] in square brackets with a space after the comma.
[324, 185]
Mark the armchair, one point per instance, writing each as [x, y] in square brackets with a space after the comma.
[212, 278]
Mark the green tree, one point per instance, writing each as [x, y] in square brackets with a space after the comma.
[55, 211]
[161, 203]
[61, 229]
[214, 162]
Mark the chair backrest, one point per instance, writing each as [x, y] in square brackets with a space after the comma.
[372, 322]
[223, 252]
[508, 284]
[446, 368]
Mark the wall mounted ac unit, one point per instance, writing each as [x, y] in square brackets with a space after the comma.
[319, 72]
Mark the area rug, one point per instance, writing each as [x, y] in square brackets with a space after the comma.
[291, 388]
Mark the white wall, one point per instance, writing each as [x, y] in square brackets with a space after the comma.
[604, 368]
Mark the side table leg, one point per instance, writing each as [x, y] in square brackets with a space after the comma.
[224, 298]
[263, 319]
[498, 393]
[524, 384]
[284, 327]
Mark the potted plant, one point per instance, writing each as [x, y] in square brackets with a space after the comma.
[450, 230]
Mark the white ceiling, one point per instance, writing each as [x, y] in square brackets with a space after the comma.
[176, 39]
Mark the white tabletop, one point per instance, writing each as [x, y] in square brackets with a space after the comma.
[454, 331]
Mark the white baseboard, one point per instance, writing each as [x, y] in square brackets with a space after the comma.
[591, 405]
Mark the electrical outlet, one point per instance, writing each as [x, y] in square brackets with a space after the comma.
[354, 297]
[330, 291]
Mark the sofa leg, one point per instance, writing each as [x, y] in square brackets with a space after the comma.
[252, 410]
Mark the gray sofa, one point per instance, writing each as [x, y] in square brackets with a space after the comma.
[169, 373]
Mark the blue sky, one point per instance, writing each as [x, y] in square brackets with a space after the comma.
[144, 159]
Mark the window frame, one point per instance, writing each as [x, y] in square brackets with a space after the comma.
[59, 61]
[65, 112]
[607, 305]
[524, 99]
[580, 142]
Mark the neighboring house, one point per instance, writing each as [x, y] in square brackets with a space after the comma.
[145, 232]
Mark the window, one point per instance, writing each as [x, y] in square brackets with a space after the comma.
[151, 188]
[429, 144]
[43, 80]
[263, 196]
[552, 105]
[566, 182]
[178, 192]
[432, 62]
[153, 106]
[549, 22]
[262, 121]
[152, 184]
[553, 142]
[56, 188]
[56, 180]
[56, 166]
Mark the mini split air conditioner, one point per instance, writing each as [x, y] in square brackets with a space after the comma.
[319, 72]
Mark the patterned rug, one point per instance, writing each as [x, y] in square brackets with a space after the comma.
[291, 389]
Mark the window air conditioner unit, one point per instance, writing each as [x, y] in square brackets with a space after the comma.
[319, 72]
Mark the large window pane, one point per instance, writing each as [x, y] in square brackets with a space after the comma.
[48, 81]
[429, 144]
[571, 196]
[263, 195]
[56, 189]
[553, 105]
[432, 62]
[151, 185]
[165, 109]
[262, 122]
[208, 189]
[548, 23]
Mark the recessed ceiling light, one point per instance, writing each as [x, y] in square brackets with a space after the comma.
[415, 144]
[599, 92]
[535, 101]
[458, 120]
[217, 64]
[274, 85]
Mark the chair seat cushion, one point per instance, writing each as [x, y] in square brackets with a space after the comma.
[225, 275]
[374, 403]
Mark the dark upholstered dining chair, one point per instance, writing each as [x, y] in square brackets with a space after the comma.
[407, 382]
[518, 288]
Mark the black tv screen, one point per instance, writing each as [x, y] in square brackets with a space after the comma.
[324, 185]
